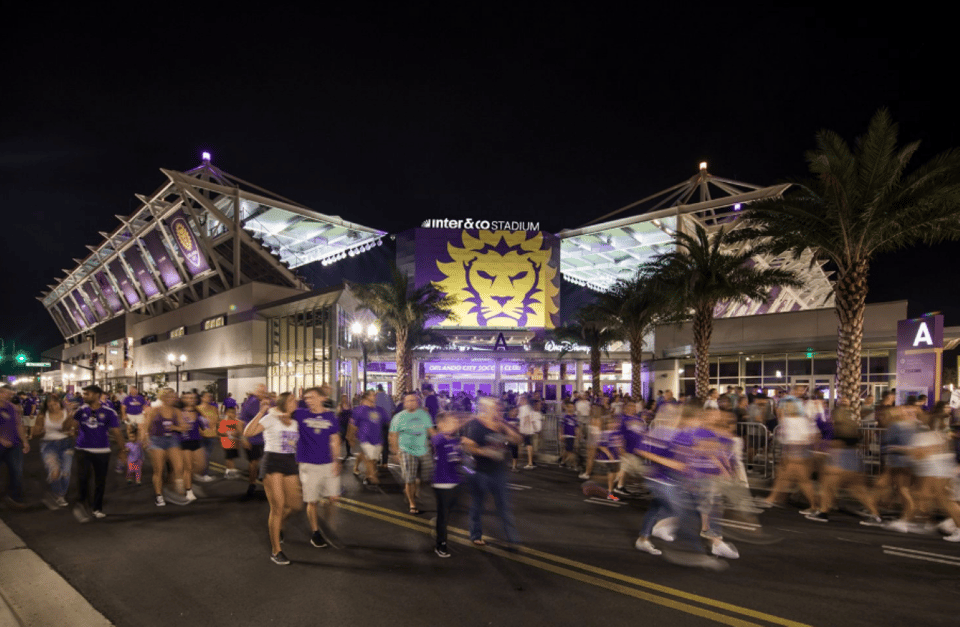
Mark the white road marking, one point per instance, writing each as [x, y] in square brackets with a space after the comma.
[921, 557]
[739, 523]
[517, 486]
[597, 501]
[940, 555]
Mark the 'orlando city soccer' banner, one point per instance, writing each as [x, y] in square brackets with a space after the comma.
[193, 259]
[141, 274]
[91, 295]
[501, 279]
[108, 292]
[123, 280]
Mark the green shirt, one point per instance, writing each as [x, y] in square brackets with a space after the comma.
[413, 427]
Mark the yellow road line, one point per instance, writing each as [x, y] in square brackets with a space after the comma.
[420, 523]
[565, 572]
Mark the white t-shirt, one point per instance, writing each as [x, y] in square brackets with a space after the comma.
[531, 421]
[277, 437]
[582, 407]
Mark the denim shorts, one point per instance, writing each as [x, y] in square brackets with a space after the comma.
[164, 442]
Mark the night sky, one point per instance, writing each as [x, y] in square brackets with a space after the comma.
[388, 116]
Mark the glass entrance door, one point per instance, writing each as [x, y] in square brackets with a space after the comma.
[825, 385]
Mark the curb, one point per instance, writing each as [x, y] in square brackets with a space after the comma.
[33, 594]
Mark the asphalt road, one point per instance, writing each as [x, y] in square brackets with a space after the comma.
[208, 563]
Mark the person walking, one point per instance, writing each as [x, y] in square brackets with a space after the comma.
[531, 421]
[446, 475]
[485, 438]
[55, 427]
[95, 422]
[318, 456]
[410, 431]
[14, 444]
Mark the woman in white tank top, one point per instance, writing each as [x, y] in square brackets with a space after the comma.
[56, 448]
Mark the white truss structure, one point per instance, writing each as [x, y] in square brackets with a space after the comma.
[598, 255]
[243, 232]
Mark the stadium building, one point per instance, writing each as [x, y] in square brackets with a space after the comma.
[214, 281]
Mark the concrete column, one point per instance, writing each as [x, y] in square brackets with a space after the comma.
[579, 376]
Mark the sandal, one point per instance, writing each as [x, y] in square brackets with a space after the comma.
[479, 542]
[414, 510]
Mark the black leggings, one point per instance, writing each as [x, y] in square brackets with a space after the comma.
[446, 501]
[100, 462]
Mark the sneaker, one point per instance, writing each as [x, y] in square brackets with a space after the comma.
[872, 521]
[725, 549]
[762, 503]
[584, 475]
[529, 467]
[279, 559]
[441, 550]
[203, 478]
[60, 501]
[619, 491]
[98, 514]
[818, 517]
[317, 540]
[646, 546]
[664, 531]
[808, 512]
[613, 497]
[947, 526]
[953, 537]
[49, 501]
[900, 526]
[160, 501]
[80, 513]
[191, 496]
[709, 534]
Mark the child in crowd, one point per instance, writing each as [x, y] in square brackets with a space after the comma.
[446, 474]
[134, 455]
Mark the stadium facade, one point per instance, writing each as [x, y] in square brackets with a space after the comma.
[238, 285]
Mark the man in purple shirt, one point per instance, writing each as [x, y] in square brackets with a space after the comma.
[133, 406]
[94, 422]
[431, 403]
[318, 455]
[366, 429]
[13, 445]
[253, 445]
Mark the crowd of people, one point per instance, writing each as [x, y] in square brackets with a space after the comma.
[686, 454]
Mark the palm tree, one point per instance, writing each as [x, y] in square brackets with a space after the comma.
[631, 308]
[592, 330]
[702, 271]
[859, 202]
[406, 311]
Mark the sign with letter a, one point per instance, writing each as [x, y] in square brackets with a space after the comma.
[919, 354]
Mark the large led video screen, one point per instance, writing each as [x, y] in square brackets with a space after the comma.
[501, 279]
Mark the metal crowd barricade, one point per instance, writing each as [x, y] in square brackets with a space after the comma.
[548, 443]
[869, 449]
[758, 448]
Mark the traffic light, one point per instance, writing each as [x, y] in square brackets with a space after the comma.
[21, 358]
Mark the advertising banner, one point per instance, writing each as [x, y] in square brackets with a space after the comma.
[67, 316]
[85, 312]
[106, 288]
[123, 281]
[186, 241]
[94, 301]
[141, 274]
[919, 354]
[486, 368]
[501, 279]
[161, 259]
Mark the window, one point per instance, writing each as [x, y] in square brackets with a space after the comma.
[149, 339]
[178, 332]
[214, 323]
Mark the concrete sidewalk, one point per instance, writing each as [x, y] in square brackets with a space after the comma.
[33, 594]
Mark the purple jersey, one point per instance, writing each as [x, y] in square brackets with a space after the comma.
[9, 423]
[94, 427]
[134, 452]
[249, 411]
[570, 425]
[446, 458]
[29, 405]
[229, 403]
[134, 405]
[705, 452]
[609, 440]
[632, 429]
[368, 421]
[196, 423]
[658, 441]
[313, 447]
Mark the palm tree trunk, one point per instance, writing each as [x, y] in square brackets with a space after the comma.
[403, 382]
[595, 370]
[702, 331]
[851, 298]
[636, 357]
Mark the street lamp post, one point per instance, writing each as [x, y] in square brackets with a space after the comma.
[177, 362]
[363, 335]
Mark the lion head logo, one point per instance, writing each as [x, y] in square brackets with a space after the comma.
[501, 279]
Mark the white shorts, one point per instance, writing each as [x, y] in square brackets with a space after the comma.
[632, 465]
[371, 451]
[318, 482]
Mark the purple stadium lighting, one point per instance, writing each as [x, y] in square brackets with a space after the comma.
[205, 156]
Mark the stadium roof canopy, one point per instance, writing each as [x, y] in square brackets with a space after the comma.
[202, 232]
[606, 250]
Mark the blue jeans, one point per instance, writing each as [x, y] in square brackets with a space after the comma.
[664, 496]
[13, 458]
[57, 456]
[496, 484]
